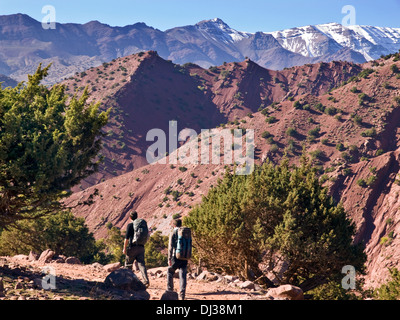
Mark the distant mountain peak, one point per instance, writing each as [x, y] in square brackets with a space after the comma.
[142, 25]
[18, 18]
[218, 30]
[94, 22]
[214, 22]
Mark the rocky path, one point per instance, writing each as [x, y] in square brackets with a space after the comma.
[21, 279]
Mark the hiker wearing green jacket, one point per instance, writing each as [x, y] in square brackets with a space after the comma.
[134, 248]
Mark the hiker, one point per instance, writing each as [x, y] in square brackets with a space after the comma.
[135, 239]
[178, 259]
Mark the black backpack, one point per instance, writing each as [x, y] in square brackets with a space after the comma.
[141, 232]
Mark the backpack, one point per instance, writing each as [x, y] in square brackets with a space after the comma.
[141, 234]
[184, 244]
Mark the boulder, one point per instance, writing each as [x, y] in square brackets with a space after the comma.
[112, 266]
[72, 260]
[96, 265]
[157, 271]
[46, 256]
[21, 257]
[220, 279]
[247, 285]
[33, 256]
[58, 260]
[211, 276]
[169, 295]
[208, 276]
[124, 279]
[202, 276]
[61, 258]
[230, 278]
[287, 292]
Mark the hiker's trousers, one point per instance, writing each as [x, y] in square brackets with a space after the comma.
[137, 253]
[182, 266]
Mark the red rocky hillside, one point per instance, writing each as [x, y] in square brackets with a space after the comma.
[348, 124]
[146, 92]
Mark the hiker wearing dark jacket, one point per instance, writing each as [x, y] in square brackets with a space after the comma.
[134, 251]
[175, 263]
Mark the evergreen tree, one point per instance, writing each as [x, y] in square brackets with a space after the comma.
[277, 214]
[156, 250]
[61, 232]
[113, 245]
[391, 289]
[46, 146]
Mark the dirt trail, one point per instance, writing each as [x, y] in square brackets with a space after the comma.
[75, 281]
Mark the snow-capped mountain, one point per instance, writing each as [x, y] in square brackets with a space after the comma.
[307, 41]
[311, 41]
[218, 30]
[74, 47]
[319, 41]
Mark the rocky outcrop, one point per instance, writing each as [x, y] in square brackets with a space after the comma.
[124, 279]
[285, 292]
[46, 256]
[112, 267]
[72, 260]
[33, 256]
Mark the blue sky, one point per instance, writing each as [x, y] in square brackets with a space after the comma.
[250, 15]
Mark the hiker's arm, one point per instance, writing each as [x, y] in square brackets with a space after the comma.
[170, 248]
[125, 245]
[128, 235]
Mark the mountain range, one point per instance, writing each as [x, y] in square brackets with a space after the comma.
[73, 47]
[324, 89]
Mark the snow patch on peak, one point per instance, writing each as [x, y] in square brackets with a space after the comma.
[313, 41]
[214, 23]
[218, 30]
[370, 41]
[308, 41]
